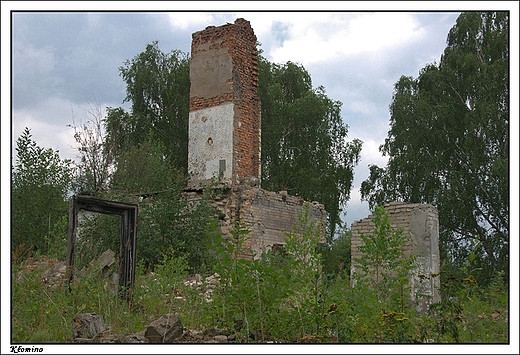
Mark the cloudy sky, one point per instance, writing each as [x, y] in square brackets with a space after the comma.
[61, 61]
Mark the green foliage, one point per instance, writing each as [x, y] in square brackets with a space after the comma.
[383, 263]
[448, 144]
[468, 312]
[336, 256]
[34, 305]
[166, 219]
[304, 140]
[261, 300]
[449, 129]
[156, 292]
[143, 169]
[57, 237]
[171, 220]
[150, 146]
[382, 279]
[40, 184]
[44, 314]
[158, 86]
[304, 146]
[276, 295]
[337, 320]
[96, 233]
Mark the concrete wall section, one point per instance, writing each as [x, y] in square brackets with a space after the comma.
[212, 72]
[424, 226]
[210, 143]
[420, 223]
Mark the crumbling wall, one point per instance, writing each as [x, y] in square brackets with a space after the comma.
[420, 223]
[267, 215]
[224, 131]
[224, 139]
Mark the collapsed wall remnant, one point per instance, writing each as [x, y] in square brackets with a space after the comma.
[266, 214]
[420, 223]
[224, 139]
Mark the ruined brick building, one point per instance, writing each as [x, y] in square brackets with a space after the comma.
[225, 138]
[224, 147]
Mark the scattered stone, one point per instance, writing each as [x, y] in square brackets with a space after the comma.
[102, 264]
[190, 336]
[126, 339]
[212, 280]
[88, 325]
[194, 280]
[165, 329]
[209, 332]
[82, 340]
[53, 276]
[221, 338]
[211, 283]
[206, 287]
[136, 338]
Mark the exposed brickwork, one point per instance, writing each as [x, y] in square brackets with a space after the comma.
[224, 106]
[268, 215]
[420, 223]
[197, 103]
[238, 86]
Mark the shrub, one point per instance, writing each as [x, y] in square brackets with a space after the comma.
[276, 296]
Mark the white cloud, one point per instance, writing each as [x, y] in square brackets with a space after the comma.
[311, 37]
[316, 37]
[361, 105]
[32, 69]
[46, 135]
[373, 32]
[40, 60]
[47, 127]
[370, 153]
[195, 20]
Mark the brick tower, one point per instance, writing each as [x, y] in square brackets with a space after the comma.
[224, 129]
[224, 140]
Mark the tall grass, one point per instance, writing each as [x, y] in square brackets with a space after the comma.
[280, 297]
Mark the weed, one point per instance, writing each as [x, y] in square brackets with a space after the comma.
[280, 296]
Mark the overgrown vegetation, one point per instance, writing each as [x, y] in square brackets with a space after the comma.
[448, 144]
[40, 183]
[282, 296]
